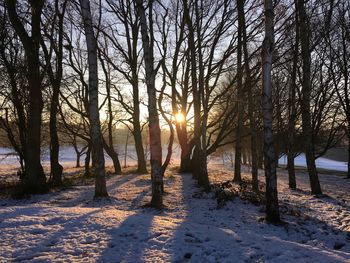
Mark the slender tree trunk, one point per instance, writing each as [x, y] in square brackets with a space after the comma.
[291, 107]
[87, 161]
[137, 133]
[126, 147]
[185, 159]
[109, 147]
[77, 163]
[240, 100]
[348, 175]
[304, 32]
[114, 156]
[98, 161]
[56, 168]
[141, 159]
[272, 209]
[154, 128]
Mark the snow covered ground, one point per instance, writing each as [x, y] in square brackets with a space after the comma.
[68, 158]
[322, 163]
[68, 226]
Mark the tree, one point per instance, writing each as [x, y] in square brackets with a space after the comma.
[14, 119]
[291, 106]
[248, 87]
[154, 128]
[240, 97]
[304, 32]
[55, 78]
[272, 208]
[128, 66]
[94, 117]
[34, 179]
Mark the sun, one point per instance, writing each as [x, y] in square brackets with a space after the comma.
[179, 117]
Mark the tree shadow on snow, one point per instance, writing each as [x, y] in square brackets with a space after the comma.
[130, 240]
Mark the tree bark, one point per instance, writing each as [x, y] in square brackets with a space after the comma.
[291, 107]
[348, 175]
[141, 159]
[248, 87]
[154, 128]
[34, 180]
[304, 32]
[87, 161]
[56, 168]
[272, 208]
[98, 160]
[240, 100]
[114, 156]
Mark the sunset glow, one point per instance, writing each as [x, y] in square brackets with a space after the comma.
[179, 117]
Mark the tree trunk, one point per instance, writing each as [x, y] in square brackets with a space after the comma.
[56, 168]
[348, 175]
[185, 159]
[98, 161]
[34, 180]
[272, 209]
[87, 161]
[291, 107]
[141, 159]
[114, 156]
[55, 79]
[154, 128]
[203, 178]
[77, 163]
[240, 100]
[109, 147]
[304, 32]
[196, 96]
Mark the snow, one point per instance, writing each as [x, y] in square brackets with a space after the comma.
[322, 163]
[68, 225]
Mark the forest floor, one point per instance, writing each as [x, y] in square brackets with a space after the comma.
[67, 225]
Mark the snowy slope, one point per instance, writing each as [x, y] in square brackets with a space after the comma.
[68, 226]
[322, 163]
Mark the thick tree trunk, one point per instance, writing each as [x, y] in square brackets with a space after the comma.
[203, 178]
[98, 161]
[272, 209]
[196, 95]
[34, 180]
[304, 32]
[154, 128]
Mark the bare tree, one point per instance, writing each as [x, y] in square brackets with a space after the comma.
[95, 128]
[34, 180]
[272, 208]
[304, 32]
[55, 77]
[154, 128]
